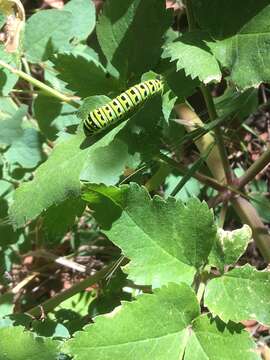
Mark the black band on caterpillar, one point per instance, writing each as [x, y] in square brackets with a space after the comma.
[121, 106]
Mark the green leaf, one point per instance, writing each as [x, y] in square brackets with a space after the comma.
[130, 33]
[53, 116]
[236, 103]
[211, 339]
[161, 249]
[235, 15]
[194, 56]
[2, 19]
[25, 144]
[17, 344]
[6, 304]
[10, 127]
[229, 246]
[7, 78]
[246, 283]
[57, 179]
[243, 38]
[262, 204]
[109, 200]
[26, 151]
[46, 33]
[156, 324]
[58, 218]
[83, 18]
[83, 75]
[191, 188]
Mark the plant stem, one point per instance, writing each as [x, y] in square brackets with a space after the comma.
[50, 304]
[249, 215]
[49, 90]
[218, 134]
[190, 15]
[206, 180]
[255, 168]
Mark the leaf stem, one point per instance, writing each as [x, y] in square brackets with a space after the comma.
[190, 15]
[49, 90]
[255, 168]
[204, 179]
[50, 304]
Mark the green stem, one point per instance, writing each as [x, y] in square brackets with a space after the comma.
[206, 180]
[255, 168]
[218, 134]
[190, 15]
[50, 91]
[50, 304]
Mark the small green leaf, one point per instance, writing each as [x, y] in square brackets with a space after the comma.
[53, 116]
[194, 56]
[246, 283]
[26, 151]
[229, 246]
[83, 18]
[211, 339]
[262, 204]
[39, 44]
[58, 218]
[7, 78]
[106, 201]
[156, 324]
[6, 304]
[10, 127]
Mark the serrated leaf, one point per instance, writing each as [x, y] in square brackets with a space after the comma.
[211, 339]
[246, 283]
[160, 249]
[130, 33]
[243, 38]
[194, 56]
[155, 324]
[229, 246]
[83, 75]
[83, 18]
[17, 344]
[39, 44]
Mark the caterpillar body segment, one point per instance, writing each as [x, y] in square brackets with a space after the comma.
[122, 106]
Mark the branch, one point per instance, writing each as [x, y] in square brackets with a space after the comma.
[50, 304]
[255, 168]
[49, 90]
[249, 215]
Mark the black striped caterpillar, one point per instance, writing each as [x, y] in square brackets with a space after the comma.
[120, 107]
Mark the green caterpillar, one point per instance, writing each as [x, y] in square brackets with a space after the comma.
[121, 106]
